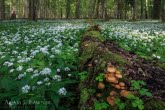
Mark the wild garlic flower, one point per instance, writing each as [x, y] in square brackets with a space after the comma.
[39, 82]
[29, 70]
[44, 50]
[34, 75]
[46, 79]
[62, 91]
[45, 71]
[19, 68]
[67, 69]
[21, 75]
[57, 77]
[25, 89]
[58, 70]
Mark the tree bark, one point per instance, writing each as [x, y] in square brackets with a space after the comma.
[77, 12]
[2, 9]
[32, 9]
[97, 9]
[26, 8]
[142, 9]
[102, 9]
[119, 9]
[134, 9]
[156, 9]
[68, 9]
[163, 11]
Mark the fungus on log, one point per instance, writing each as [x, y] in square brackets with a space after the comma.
[94, 57]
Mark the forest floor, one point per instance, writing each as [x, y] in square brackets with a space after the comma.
[41, 60]
[142, 69]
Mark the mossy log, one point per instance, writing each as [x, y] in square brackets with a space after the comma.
[94, 57]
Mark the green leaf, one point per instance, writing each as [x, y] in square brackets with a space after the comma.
[55, 98]
[8, 84]
[122, 106]
[8, 94]
[141, 107]
[134, 104]
[148, 94]
[41, 106]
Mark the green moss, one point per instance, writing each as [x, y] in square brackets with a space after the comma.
[95, 35]
[162, 65]
[155, 105]
[88, 51]
[84, 95]
[115, 58]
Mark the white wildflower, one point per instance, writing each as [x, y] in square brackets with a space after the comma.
[29, 70]
[67, 69]
[21, 75]
[44, 50]
[62, 91]
[47, 84]
[52, 56]
[39, 82]
[46, 79]
[25, 89]
[34, 75]
[45, 71]
[69, 75]
[58, 70]
[19, 68]
[36, 71]
[57, 77]
[12, 70]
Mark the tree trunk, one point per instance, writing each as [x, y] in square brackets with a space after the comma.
[2, 9]
[119, 9]
[163, 11]
[146, 9]
[142, 9]
[77, 12]
[26, 8]
[102, 9]
[156, 9]
[93, 8]
[97, 9]
[134, 9]
[68, 9]
[11, 6]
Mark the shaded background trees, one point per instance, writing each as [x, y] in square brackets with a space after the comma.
[99, 9]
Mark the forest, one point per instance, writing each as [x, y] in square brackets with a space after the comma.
[82, 9]
[82, 54]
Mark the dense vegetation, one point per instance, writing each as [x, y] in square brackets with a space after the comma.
[82, 54]
[40, 61]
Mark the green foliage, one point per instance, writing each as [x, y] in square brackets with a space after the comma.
[56, 53]
[100, 105]
[135, 102]
[121, 105]
[83, 75]
[100, 77]
[139, 86]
